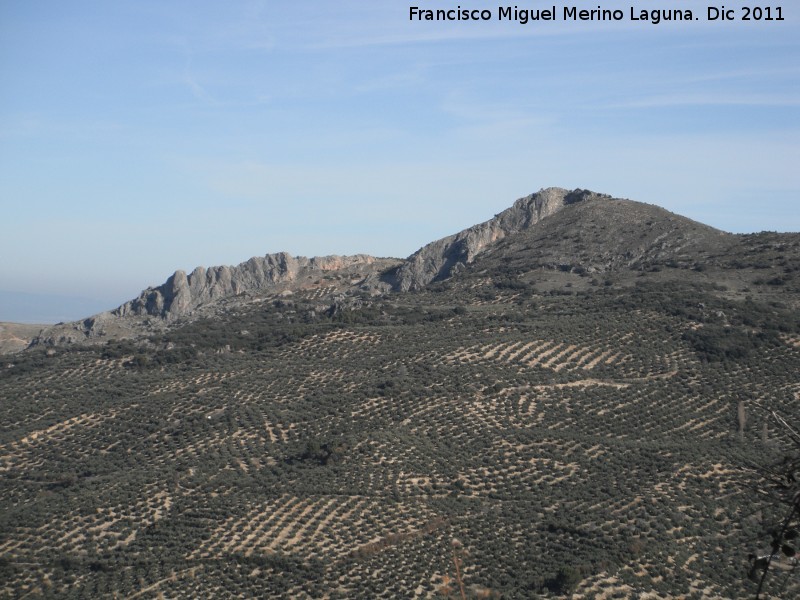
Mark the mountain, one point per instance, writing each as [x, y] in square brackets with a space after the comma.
[577, 231]
[581, 408]
[182, 295]
[442, 258]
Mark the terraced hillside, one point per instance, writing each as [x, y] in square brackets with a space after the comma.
[518, 430]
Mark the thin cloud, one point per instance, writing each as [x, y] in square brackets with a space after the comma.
[198, 91]
[710, 99]
[475, 32]
[748, 74]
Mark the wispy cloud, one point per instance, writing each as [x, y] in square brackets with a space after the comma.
[403, 79]
[189, 79]
[198, 91]
[711, 99]
[745, 74]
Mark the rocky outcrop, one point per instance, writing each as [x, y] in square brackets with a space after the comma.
[443, 258]
[189, 296]
[183, 293]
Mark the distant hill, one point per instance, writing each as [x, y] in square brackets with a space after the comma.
[25, 307]
[15, 337]
[571, 400]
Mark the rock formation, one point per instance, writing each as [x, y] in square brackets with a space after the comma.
[182, 293]
[442, 258]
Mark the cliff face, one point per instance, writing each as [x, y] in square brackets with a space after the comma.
[442, 258]
[182, 293]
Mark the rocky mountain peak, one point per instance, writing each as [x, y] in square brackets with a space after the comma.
[443, 258]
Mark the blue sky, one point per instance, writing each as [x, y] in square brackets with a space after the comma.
[141, 137]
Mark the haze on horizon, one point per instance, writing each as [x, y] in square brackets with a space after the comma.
[143, 137]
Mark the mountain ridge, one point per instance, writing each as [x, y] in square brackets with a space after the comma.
[183, 294]
[624, 234]
[437, 260]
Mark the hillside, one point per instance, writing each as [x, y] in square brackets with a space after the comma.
[17, 336]
[557, 416]
[630, 243]
[445, 257]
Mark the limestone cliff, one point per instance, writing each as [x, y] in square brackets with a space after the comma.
[184, 296]
[442, 258]
[182, 293]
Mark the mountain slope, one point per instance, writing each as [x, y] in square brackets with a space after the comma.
[624, 244]
[442, 258]
[15, 337]
[615, 235]
[565, 405]
[579, 443]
